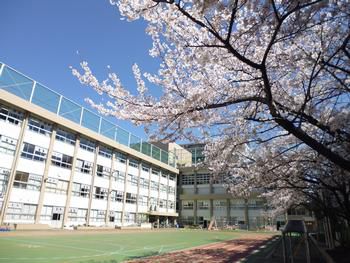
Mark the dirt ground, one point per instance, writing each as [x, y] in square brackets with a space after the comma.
[221, 252]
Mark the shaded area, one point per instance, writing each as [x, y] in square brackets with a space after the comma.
[273, 252]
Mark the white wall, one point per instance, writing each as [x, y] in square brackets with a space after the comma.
[53, 199]
[30, 166]
[60, 173]
[63, 147]
[24, 196]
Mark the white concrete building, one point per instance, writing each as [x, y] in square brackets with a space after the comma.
[200, 198]
[63, 165]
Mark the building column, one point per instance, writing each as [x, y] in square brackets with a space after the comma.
[138, 192]
[167, 194]
[158, 198]
[110, 190]
[228, 210]
[211, 208]
[246, 213]
[94, 170]
[13, 168]
[178, 189]
[70, 183]
[195, 212]
[211, 187]
[125, 187]
[149, 191]
[195, 182]
[45, 176]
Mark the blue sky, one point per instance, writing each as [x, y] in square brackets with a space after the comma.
[40, 38]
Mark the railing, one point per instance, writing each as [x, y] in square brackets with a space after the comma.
[26, 88]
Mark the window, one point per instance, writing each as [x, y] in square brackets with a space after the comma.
[237, 204]
[164, 175]
[154, 186]
[39, 126]
[145, 168]
[203, 178]
[4, 179]
[187, 205]
[203, 204]
[162, 203]
[218, 179]
[82, 190]
[33, 152]
[10, 115]
[155, 172]
[170, 204]
[54, 213]
[163, 188]
[119, 176]
[220, 204]
[27, 181]
[115, 216]
[87, 145]
[120, 157]
[57, 186]
[171, 190]
[83, 166]
[171, 177]
[77, 214]
[132, 179]
[103, 171]
[20, 211]
[144, 183]
[153, 202]
[100, 193]
[187, 220]
[130, 217]
[61, 160]
[117, 196]
[65, 136]
[187, 179]
[7, 145]
[133, 163]
[143, 200]
[105, 152]
[97, 215]
[130, 198]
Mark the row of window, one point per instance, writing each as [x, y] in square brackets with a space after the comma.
[23, 211]
[45, 128]
[189, 179]
[7, 145]
[222, 204]
[33, 182]
[4, 178]
[11, 116]
[33, 152]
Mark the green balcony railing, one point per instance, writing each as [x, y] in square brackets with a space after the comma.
[26, 88]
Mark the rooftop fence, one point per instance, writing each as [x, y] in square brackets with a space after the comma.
[26, 88]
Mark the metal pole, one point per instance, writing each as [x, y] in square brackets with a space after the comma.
[307, 247]
[284, 248]
[290, 248]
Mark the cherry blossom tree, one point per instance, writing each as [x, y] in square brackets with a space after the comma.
[264, 84]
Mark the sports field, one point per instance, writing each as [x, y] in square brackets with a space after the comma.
[103, 246]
